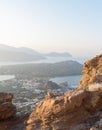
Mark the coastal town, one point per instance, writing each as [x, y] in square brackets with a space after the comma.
[29, 93]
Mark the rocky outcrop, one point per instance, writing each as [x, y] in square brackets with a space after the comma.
[79, 109]
[7, 109]
[8, 118]
[92, 72]
[67, 111]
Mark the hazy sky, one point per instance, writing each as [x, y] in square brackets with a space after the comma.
[52, 25]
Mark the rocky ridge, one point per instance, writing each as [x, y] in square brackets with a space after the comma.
[79, 109]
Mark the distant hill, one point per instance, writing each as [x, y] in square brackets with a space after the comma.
[13, 54]
[56, 54]
[65, 68]
[24, 54]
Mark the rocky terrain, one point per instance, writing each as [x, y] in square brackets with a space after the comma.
[9, 120]
[7, 109]
[92, 72]
[79, 109]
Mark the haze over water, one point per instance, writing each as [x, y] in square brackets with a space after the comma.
[59, 26]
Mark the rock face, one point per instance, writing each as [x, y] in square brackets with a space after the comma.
[67, 112]
[7, 109]
[8, 118]
[79, 109]
[92, 72]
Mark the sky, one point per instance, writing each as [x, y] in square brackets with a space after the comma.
[73, 26]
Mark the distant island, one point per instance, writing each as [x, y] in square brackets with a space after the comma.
[31, 70]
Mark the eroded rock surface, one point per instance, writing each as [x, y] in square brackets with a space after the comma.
[8, 118]
[79, 109]
[67, 111]
[7, 109]
[92, 72]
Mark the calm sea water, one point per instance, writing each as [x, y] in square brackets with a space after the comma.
[72, 81]
[6, 77]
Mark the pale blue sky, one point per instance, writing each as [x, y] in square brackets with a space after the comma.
[52, 25]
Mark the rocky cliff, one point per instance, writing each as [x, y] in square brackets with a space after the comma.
[79, 109]
[92, 72]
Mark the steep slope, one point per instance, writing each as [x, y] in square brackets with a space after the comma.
[79, 109]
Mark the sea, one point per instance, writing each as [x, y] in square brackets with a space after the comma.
[72, 81]
[6, 77]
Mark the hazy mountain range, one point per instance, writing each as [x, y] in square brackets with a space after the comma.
[56, 54]
[23, 54]
[12, 54]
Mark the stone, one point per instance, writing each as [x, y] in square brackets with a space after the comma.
[7, 109]
[92, 72]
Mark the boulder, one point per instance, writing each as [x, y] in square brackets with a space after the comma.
[7, 109]
[8, 118]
